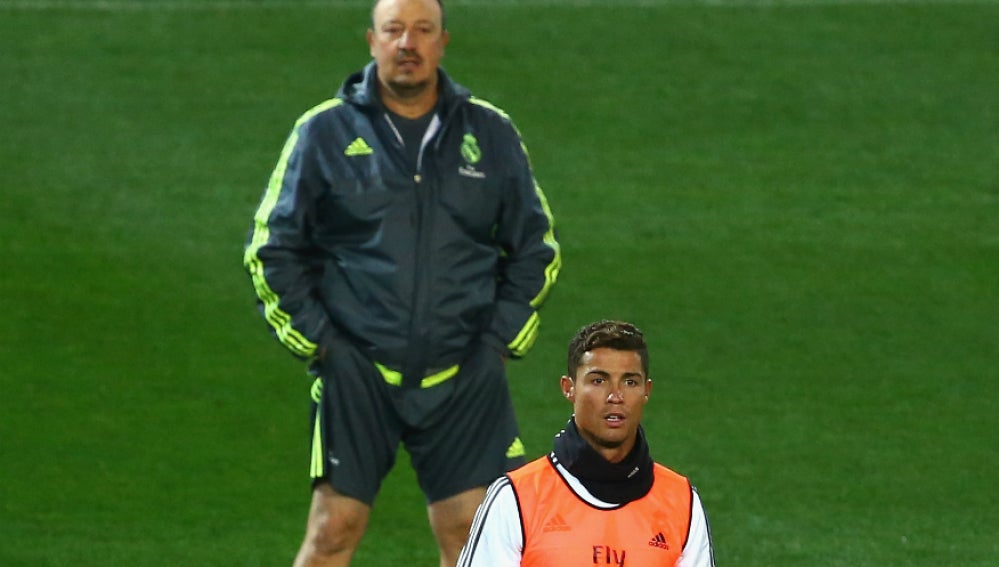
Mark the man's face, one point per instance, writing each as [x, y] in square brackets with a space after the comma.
[608, 394]
[407, 42]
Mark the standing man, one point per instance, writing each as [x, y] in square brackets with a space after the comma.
[404, 249]
[598, 498]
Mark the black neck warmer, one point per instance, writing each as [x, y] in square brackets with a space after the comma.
[616, 483]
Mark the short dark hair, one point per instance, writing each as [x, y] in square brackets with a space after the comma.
[440, 3]
[618, 335]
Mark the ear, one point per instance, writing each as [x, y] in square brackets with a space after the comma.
[568, 389]
[648, 388]
[370, 36]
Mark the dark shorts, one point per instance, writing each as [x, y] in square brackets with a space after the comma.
[460, 434]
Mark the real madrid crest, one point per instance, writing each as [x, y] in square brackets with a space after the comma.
[470, 149]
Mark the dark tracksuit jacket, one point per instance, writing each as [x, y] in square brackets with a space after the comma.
[411, 266]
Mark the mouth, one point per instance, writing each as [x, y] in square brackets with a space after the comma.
[408, 62]
[614, 420]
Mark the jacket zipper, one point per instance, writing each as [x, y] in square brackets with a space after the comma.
[426, 193]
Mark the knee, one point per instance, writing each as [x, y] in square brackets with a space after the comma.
[334, 534]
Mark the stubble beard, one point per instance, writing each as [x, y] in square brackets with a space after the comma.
[406, 90]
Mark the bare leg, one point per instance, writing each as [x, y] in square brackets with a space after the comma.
[451, 519]
[336, 525]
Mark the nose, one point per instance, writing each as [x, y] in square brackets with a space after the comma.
[406, 39]
[616, 396]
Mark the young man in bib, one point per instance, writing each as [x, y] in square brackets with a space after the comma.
[598, 498]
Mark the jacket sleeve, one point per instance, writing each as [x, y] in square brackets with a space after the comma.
[279, 256]
[530, 256]
[495, 539]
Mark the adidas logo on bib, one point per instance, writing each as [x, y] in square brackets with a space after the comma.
[659, 540]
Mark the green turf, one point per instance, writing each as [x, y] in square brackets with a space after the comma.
[798, 203]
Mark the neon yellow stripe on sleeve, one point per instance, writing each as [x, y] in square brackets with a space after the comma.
[555, 266]
[529, 333]
[526, 337]
[279, 320]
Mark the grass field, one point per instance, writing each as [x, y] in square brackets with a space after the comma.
[798, 202]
